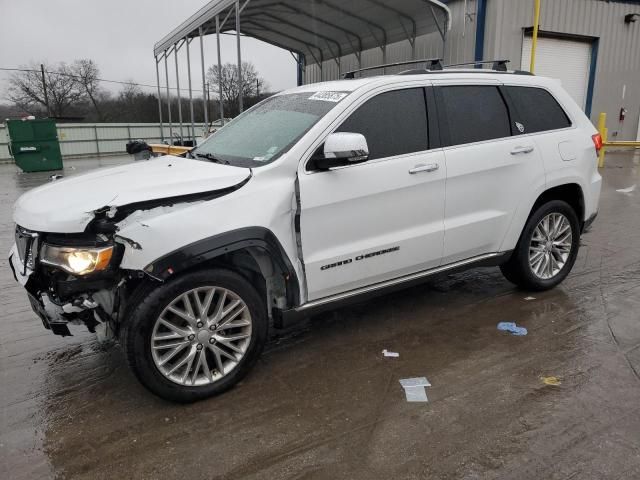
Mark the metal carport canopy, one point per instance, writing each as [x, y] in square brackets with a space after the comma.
[319, 29]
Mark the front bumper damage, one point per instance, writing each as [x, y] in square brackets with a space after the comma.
[97, 300]
[86, 304]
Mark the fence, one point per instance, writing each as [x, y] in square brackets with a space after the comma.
[93, 139]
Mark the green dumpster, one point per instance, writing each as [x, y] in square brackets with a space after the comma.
[34, 144]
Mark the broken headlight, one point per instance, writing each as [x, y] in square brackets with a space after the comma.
[77, 260]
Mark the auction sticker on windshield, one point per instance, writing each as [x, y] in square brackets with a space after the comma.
[328, 96]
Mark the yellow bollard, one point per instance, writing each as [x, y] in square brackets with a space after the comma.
[534, 37]
[602, 129]
[605, 138]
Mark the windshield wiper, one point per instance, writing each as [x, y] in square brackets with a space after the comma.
[212, 158]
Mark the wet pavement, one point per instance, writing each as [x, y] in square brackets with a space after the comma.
[324, 403]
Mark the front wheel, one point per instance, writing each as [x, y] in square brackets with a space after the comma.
[197, 335]
[547, 248]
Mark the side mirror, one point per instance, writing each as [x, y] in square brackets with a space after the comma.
[340, 149]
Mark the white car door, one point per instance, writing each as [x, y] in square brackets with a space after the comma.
[490, 173]
[380, 219]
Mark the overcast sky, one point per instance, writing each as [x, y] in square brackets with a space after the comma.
[119, 36]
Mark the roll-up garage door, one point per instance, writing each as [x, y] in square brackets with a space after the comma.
[567, 60]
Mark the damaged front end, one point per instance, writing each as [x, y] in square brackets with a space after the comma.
[76, 278]
[69, 278]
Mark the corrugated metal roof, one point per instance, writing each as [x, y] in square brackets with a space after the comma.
[319, 29]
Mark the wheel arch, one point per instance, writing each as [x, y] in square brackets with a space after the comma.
[250, 249]
[570, 193]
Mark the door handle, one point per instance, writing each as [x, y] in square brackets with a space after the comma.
[519, 150]
[422, 167]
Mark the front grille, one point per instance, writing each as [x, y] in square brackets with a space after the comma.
[27, 244]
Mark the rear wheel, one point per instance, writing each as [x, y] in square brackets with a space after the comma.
[196, 336]
[547, 248]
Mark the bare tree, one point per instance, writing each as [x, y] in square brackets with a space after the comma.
[75, 91]
[128, 101]
[86, 72]
[251, 84]
[27, 91]
[129, 92]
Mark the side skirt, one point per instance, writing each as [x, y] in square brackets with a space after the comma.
[284, 318]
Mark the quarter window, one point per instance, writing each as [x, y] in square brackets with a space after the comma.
[473, 113]
[394, 123]
[536, 109]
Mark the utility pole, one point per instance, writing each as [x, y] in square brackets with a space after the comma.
[44, 89]
[257, 88]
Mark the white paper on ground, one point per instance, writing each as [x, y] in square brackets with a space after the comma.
[627, 190]
[415, 382]
[416, 394]
[387, 353]
[529, 298]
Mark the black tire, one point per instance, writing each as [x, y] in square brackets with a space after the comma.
[518, 270]
[137, 331]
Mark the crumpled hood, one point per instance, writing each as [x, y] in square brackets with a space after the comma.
[68, 205]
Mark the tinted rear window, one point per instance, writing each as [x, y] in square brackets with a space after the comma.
[536, 109]
[473, 113]
[394, 123]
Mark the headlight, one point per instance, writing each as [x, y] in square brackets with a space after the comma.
[79, 261]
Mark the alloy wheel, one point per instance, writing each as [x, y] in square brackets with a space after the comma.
[201, 336]
[550, 246]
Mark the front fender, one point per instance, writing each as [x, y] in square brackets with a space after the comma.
[185, 230]
[210, 248]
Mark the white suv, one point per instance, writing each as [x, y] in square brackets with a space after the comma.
[317, 196]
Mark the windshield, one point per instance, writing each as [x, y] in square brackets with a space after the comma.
[268, 130]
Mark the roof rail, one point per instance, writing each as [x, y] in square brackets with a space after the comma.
[434, 64]
[497, 65]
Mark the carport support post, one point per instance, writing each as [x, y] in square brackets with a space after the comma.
[159, 100]
[204, 86]
[444, 44]
[175, 56]
[166, 74]
[193, 127]
[442, 30]
[220, 97]
[301, 68]
[240, 82]
[384, 58]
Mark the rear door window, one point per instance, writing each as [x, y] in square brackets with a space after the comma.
[536, 110]
[394, 123]
[472, 113]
